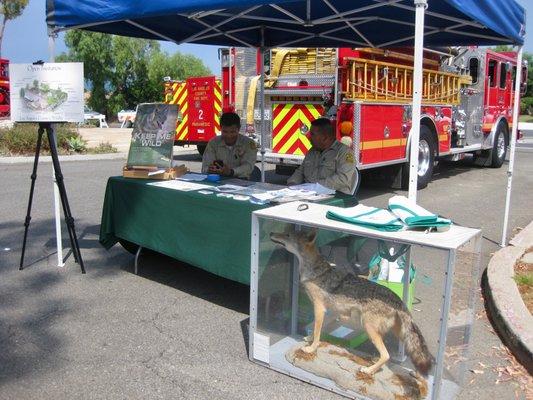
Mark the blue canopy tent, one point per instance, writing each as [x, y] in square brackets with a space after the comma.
[311, 23]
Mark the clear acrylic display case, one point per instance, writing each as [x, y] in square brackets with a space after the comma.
[439, 293]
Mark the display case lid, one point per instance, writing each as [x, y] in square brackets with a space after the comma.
[315, 215]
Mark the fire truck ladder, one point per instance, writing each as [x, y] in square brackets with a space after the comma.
[378, 81]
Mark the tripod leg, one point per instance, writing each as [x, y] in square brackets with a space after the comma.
[64, 199]
[30, 201]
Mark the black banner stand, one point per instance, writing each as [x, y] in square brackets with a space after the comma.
[47, 126]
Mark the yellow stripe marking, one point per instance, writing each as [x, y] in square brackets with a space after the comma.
[443, 138]
[285, 129]
[288, 144]
[281, 115]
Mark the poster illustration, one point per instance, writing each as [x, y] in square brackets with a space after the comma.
[49, 92]
[152, 138]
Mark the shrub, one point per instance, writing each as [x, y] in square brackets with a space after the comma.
[526, 106]
[77, 144]
[22, 139]
[103, 148]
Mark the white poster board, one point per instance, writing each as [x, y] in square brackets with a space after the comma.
[50, 92]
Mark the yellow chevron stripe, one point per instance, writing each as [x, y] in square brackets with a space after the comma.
[281, 115]
[182, 97]
[184, 133]
[305, 141]
[299, 152]
[283, 131]
[178, 89]
[313, 109]
[289, 143]
[176, 95]
[184, 108]
[218, 107]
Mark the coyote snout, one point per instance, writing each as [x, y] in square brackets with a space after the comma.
[347, 295]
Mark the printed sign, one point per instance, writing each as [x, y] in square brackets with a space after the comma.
[152, 138]
[201, 108]
[50, 92]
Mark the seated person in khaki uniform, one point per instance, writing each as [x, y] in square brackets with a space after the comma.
[230, 154]
[329, 162]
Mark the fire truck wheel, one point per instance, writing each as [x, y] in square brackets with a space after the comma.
[426, 160]
[201, 148]
[499, 149]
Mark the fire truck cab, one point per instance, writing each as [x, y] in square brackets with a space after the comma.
[4, 88]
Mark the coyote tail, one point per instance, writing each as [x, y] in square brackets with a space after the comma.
[415, 344]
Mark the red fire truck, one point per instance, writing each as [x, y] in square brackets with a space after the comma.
[467, 103]
[4, 88]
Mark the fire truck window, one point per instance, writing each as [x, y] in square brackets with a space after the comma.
[474, 69]
[503, 75]
[492, 73]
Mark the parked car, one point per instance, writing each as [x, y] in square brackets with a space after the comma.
[89, 114]
[126, 118]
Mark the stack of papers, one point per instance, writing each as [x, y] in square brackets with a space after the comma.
[415, 216]
[193, 177]
[180, 185]
[370, 217]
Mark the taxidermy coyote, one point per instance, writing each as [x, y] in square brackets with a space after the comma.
[347, 295]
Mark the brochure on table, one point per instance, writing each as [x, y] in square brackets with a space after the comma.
[48, 92]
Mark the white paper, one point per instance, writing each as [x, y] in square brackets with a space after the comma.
[51, 92]
[229, 188]
[261, 348]
[180, 185]
[193, 177]
[313, 187]
[159, 171]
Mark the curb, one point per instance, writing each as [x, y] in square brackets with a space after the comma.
[511, 318]
[80, 157]
[77, 157]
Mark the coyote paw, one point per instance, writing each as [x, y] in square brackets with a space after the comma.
[309, 349]
[367, 370]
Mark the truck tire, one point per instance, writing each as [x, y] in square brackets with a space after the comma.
[499, 148]
[427, 150]
[201, 148]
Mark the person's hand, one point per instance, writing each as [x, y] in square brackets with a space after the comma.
[226, 170]
[214, 169]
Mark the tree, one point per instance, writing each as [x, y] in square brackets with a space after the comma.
[122, 72]
[10, 9]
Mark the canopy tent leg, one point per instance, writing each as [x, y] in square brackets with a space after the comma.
[262, 107]
[421, 5]
[513, 137]
[57, 212]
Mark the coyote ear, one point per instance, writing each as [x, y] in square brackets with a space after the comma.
[311, 235]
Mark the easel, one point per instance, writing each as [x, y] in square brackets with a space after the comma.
[47, 126]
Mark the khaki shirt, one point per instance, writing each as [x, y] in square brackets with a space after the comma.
[240, 157]
[333, 168]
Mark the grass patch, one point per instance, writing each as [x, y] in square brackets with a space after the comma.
[524, 281]
[21, 140]
[102, 148]
[526, 118]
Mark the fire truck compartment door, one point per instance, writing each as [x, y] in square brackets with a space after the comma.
[290, 127]
[382, 138]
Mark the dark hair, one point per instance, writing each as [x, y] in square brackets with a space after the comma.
[230, 119]
[324, 124]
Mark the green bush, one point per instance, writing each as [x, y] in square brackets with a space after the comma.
[103, 148]
[526, 106]
[22, 139]
[77, 144]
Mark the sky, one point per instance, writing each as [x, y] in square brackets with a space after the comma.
[25, 39]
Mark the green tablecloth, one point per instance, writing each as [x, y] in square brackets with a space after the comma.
[206, 231]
